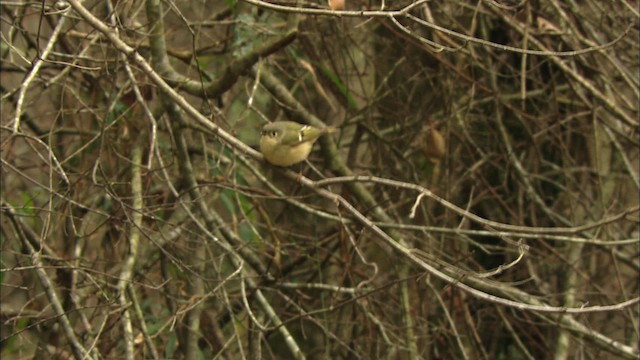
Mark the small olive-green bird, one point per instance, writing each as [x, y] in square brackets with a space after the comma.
[284, 143]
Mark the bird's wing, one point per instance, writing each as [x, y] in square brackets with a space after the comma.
[296, 137]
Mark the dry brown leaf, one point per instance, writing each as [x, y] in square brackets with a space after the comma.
[336, 4]
[434, 146]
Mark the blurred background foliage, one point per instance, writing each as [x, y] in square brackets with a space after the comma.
[160, 239]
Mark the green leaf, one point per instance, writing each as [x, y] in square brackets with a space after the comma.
[171, 346]
[231, 4]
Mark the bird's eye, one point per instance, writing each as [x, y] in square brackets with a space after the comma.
[269, 133]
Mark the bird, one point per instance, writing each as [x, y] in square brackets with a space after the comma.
[285, 143]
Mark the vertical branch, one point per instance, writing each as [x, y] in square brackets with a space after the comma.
[196, 286]
[570, 287]
[143, 325]
[126, 274]
[406, 311]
